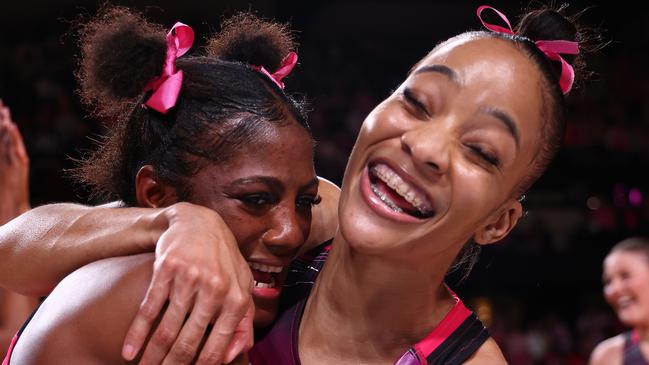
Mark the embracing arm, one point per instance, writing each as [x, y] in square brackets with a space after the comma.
[46, 243]
[84, 320]
[67, 236]
[325, 215]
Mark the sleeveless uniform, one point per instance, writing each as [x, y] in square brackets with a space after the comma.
[16, 336]
[632, 353]
[452, 341]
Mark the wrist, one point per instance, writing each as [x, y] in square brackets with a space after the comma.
[190, 213]
[158, 221]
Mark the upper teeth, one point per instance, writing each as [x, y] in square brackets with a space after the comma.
[408, 192]
[265, 268]
[623, 301]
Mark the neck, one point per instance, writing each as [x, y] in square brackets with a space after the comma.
[643, 332]
[377, 311]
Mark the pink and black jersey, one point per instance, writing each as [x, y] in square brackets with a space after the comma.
[632, 353]
[452, 341]
[16, 336]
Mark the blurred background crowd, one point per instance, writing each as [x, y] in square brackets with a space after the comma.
[540, 290]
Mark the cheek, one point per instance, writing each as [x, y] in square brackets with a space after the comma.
[304, 222]
[640, 285]
[474, 192]
[608, 294]
[247, 230]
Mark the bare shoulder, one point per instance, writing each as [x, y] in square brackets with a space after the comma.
[325, 215]
[487, 354]
[85, 318]
[608, 352]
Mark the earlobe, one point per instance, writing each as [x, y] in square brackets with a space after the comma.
[150, 192]
[501, 224]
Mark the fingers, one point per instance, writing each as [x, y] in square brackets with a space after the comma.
[5, 140]
[235, 307]
[11, 137]
[186, 346]
[19, 153]
[243, 337]
[154, 300]
[167, 330]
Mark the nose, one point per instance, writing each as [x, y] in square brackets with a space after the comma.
[285, 233]
[429, 148]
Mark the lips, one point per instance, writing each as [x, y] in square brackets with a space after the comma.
[398, 192]
[624, 302]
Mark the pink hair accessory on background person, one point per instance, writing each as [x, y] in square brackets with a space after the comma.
[167, 86]
[285, 68]
[551, 48]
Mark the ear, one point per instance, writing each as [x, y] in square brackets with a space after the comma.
[151, 193]
[500, 223]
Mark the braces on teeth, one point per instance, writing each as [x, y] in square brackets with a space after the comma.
[393, 181]
[386, 200]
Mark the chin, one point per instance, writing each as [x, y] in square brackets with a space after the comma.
[367, 230]
[630, 319]
[263, 317]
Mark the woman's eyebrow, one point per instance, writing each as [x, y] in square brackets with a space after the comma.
[311, 184]
[444, 70]
[506, 120]
[260, 179]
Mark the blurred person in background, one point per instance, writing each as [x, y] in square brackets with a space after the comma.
[626, 289]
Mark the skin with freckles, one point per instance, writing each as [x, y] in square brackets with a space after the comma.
[264, 193]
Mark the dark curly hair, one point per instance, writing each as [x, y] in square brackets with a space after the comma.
[222, 103]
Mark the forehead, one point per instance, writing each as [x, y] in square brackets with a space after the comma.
[284, 151]
[493, 72]
[625, 260]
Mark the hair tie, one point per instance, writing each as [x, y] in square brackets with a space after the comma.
[167, 86]
[551, 48]
[285, 68]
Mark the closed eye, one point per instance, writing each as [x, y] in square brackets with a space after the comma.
[486, 156]
[412, 100]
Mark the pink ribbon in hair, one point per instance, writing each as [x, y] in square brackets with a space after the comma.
[551, 48]
[167, 86]
[285, 68]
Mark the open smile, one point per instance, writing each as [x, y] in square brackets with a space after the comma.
[394, 195]
[267, 280]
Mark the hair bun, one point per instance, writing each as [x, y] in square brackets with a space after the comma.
[551, 23]
[249, 39]
[120, 53]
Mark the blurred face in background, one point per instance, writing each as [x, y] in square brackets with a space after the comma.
[626, 286]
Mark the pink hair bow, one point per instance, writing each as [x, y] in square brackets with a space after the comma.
[551, 48]
[167, 86]
[285, 68]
